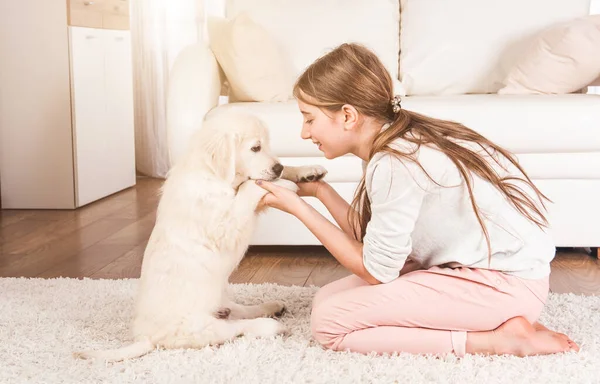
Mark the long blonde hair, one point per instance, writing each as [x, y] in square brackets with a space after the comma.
[352, 74]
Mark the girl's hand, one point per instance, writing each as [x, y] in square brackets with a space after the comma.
[310, 188]
[280, 198]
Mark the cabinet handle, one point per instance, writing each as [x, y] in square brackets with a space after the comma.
[88, 2]
[118, 39]
[89, 37]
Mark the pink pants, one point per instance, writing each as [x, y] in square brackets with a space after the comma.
[423, 311]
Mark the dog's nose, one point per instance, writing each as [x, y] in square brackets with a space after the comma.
[277, 169]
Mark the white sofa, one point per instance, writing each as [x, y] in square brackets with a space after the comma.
[449, 58]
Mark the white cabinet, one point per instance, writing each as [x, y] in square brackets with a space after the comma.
[102, 112]
[66, 103]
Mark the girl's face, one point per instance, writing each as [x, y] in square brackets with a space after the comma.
[328, 131]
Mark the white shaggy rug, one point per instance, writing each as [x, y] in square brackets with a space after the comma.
[43, 321]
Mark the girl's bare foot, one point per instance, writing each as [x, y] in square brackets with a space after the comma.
[541, 328]
[518, 337]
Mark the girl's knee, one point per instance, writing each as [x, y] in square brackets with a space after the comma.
[325, 322]
[317, 324]
[322, 327]
[321, 295]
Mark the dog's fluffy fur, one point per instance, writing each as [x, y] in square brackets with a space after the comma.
[204, 224]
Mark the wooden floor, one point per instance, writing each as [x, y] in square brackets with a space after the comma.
[106, 239]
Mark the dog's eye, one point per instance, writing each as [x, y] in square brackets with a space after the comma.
[256, 148]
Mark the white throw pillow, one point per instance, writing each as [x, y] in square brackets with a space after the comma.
[254, 64]
[469, 46]
[564, 59]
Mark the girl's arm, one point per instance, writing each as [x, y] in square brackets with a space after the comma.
[336, 205]
[347, 250]
[397, 191]
[342, 246]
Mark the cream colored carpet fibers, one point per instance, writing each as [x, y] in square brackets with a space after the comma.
[43, 321]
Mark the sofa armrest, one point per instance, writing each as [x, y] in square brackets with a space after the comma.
[195, 83]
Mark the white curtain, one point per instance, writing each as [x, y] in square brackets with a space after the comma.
[595, 10]
[160, 30]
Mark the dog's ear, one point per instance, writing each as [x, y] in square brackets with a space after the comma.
[220, 151]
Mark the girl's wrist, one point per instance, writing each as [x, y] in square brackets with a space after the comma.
[321, 190]
[299, 207]
[302, 210]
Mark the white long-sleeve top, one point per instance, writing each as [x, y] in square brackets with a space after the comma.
[413, 217]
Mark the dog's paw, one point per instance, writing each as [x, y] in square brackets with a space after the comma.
[265, 327]
[274, 308]
[309, 173]
[222, 313]
[281, 312]
[252, 191]
[286, 184]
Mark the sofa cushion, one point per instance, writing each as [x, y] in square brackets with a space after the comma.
[520, 123]
[255, 66]
[445, 49]
[560, 61]
[310, 28]
[576, 165]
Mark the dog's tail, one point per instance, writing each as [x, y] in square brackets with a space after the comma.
[131, 351]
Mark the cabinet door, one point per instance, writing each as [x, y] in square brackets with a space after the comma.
[89, 113]
[103, 104]
[119, 109]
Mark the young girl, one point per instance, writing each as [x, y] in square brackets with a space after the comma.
[444, 239]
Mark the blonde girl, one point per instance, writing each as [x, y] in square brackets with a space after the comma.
[446, 237]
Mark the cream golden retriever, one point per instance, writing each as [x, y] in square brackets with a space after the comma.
[204, 224]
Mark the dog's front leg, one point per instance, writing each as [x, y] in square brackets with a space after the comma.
[240, 217]
[303, 173]
[246, 201]
[249, 196]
